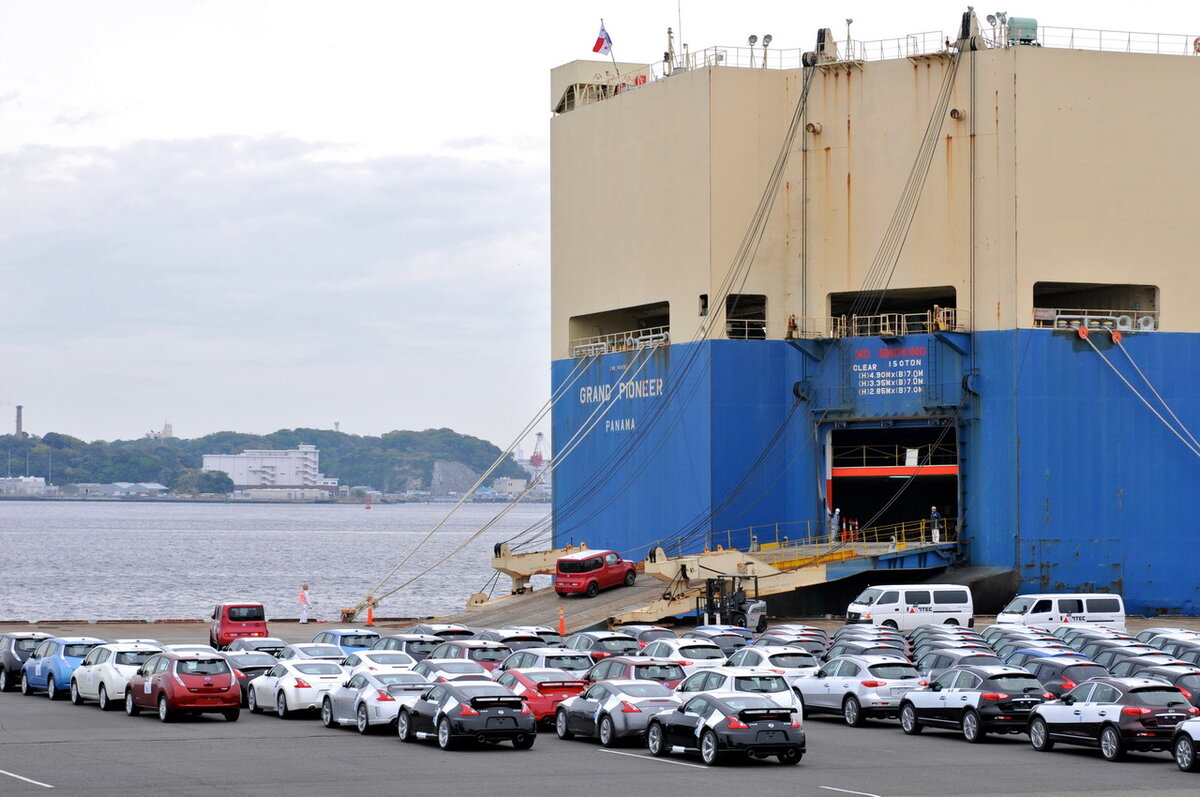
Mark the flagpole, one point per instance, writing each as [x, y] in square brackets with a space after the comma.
[610, 52]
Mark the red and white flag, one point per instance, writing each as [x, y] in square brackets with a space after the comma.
[603, 43]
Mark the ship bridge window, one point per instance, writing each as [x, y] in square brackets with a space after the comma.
[627, 328]
[746, 316]
[899, 312]
[1065, 305]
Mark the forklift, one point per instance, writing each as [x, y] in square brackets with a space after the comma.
[725, 601]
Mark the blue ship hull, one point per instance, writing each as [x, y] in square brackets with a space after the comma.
[1065, 477]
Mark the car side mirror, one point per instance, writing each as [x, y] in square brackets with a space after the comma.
[345, 683]
[1068, 699]
[425, 694]
[935, 687]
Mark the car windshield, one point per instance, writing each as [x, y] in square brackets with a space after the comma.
[1158, 696]
[658, 672]
[247, 614]
[1081, 672]
[400, 678]
[1190, 683]
[26, 645]
[460, 666]
[569, 662]
[650, 636]
[390, 658]
[645, 690]
[868, 596]
[792, 660]
[358, 640]
[255, 660]
[759, 683]
[618, 645]
[522, 642]
[1018, 606]
[421, 646]
[318, 668]
[201, 667]
[320, 650]
[488, 654]
[1017, 683]
[135, 657]
[981, 659]
[893, 671]
[701, 652]
[79, 650]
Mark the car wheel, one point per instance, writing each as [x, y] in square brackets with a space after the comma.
[164, 711]
[281, 706]
[1039, 736]
[908, 720]
[445, 740]
[592, 589]
[524, 741]
[102, 698]
[561, 727]
[972, 729]
[231, 715]
[5, 680]
[252, 701]
[404, 727]
[737, 618]
[1184, 750]
[655, 742]
[1111, 746]
[708, 748]
[890, 624]
[852, 711]
[76, 698]
[52, 689]
[606, 732]
[362, 720]
[327, 714]
[131, 708]
[630, 577]
[791, 756]
[26, 689]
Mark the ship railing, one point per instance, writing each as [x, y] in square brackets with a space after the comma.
[746, 329]
[1073, 318]
[1114, 41]
[883, 325]
[795, 544]
[894, 456]
[632, 340]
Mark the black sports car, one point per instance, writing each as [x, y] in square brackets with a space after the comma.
[468, 710]
[722, 725]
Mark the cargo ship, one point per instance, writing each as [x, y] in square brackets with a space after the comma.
[936, 289]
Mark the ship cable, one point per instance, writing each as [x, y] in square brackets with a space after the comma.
[1193, 448]
[1174, 417]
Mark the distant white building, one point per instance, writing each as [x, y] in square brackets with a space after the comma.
[23, 485]
[289, 469]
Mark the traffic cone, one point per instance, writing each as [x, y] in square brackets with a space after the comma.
[370, 610]
[562, 622]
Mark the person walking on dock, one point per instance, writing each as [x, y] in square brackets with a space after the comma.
[305, 603]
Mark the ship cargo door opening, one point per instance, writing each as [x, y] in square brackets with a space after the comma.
[894, 474]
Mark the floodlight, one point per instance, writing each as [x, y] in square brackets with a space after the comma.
[991, 18]
[766, 40]
[753, 40]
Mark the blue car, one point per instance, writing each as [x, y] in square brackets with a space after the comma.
[350, 640]
[52, 663]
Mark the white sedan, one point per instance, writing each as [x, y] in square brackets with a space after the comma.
[371, 699]
[292, 686]
[377, 661]
[103, 673]
[790, 662]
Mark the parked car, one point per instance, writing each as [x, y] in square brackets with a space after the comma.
[1184, 744]
[442, 670]
[1060, 674]
[183, 683]
[1123, 668]
[975, 700]
[720, 725]
[350, 640]
[270, 645]
[1113, 714]
[742, 680]
[371, 700]
[235, 619]
[293, 686]
[377, 661]
[727, 641]
[15, 647]
[858, 687]
[789, 662]
[601, 644]
[1184, 677]
[104, 672]
[636, 668]
[587, 572]
[248, 665]
[573, 661]
[311, 651]
[513, 640]
[645, 634]
[489, 654]
[52, 663]
[932, 665]
[456, 712]
[691, 654]
[549, 636]
[443, 630]
[415, 645]
[542, 690]
[613, 710]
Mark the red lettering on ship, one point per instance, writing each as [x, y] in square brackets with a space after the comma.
[863, 354]
[912, 351]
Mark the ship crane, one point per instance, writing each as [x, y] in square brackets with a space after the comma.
[537, 458]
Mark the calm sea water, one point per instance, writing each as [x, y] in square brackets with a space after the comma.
[84, 560]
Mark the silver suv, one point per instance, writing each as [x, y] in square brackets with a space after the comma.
[858, 687]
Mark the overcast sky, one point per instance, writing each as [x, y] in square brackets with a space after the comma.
[256, 215]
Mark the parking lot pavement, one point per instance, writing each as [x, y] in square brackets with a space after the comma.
[80, 750]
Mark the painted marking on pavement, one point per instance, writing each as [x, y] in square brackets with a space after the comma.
[848, 791]
[27, 780]
[655, 760]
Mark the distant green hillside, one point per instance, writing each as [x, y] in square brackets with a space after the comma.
[394, 462]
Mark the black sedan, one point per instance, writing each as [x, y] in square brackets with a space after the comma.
[718, 726]
[248, 665]
[478, 711]
[15, 648]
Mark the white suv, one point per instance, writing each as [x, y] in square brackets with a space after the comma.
[858, 687]
[105, 670]
[691, 654]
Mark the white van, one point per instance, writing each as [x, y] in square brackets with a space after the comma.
[906, 606]
[1052, 610]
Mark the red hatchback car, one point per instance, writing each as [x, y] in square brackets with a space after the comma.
[177, 683]
[587, 572]
[667, 672]
[489, 654]
[542, 690]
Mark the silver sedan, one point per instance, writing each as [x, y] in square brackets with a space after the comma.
[371, 699]
[613, 710]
